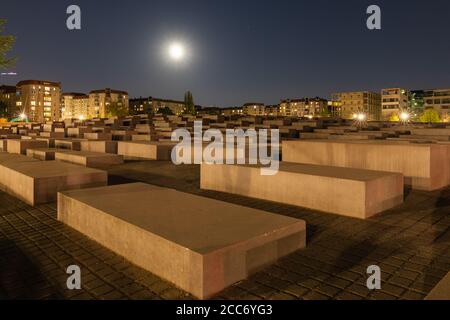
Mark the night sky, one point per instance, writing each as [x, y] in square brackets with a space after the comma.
[238, 50]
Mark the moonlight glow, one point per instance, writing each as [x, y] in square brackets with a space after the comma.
[176, 51]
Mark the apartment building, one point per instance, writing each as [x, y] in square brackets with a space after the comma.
[75, 105]
[152, 105]
[334, 108]
[140, 105]
[393, 102]
[8, 97]
[100, 100]
[272, 110]
[254, 109]
[177, 107]
[304, 107]
[439, 100]
[39, 100]
[231, 111]
[359, 101]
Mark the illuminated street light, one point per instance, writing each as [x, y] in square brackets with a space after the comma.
[23, 116]
[81, 117]
[360, 119]
[404, 116]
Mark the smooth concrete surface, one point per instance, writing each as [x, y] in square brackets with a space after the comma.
[441, 291]
[424, 166]
[20, 146]
[8, 158]
[431, 131]
[44, 154]
[89, 159]
[199, 244]
[99, 146]
[349, 192]
[36, 182]
[54, 135]
[70, 144]
[145, 150]
[97, 136]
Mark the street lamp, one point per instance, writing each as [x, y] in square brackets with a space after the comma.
[404, 116]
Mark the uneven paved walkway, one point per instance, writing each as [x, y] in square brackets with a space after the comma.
[411, 244]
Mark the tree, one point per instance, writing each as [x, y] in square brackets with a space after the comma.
[325, 112]
[430, 116]
[189, 106]
[115, 109]
[394, 117]
[6, 44]
[3, 110]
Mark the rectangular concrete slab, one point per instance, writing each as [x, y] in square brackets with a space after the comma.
[349, 192]
[99, 146]
[424, 166]
[37, 182]
[97, 136]
[69, 144]
[89, 159]
[44, 154]
[145, 150]
[199, 244]
[20, 146]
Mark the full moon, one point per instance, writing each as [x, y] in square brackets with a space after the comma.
[176, 51]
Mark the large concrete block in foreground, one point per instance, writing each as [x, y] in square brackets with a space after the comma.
[37, 182]
[145, 150]
[199, 244]
[20, 146]
[89, 159]
[349, 192]
[424, 166]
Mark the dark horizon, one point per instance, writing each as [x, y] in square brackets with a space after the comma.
[238, 51]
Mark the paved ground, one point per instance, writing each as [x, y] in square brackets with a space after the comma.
[411, 244]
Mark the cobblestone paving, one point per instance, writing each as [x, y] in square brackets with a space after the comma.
[411, 244]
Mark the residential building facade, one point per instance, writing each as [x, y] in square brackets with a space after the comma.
[439, 100]
[39, 100]
[393, 102]
[254, 109]
[359, 101]
[75, 105]
[8, 97]
[334, 108]
[152, 105]
[231, 111]
[99, 100]
[177, 107]
[304, 107]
